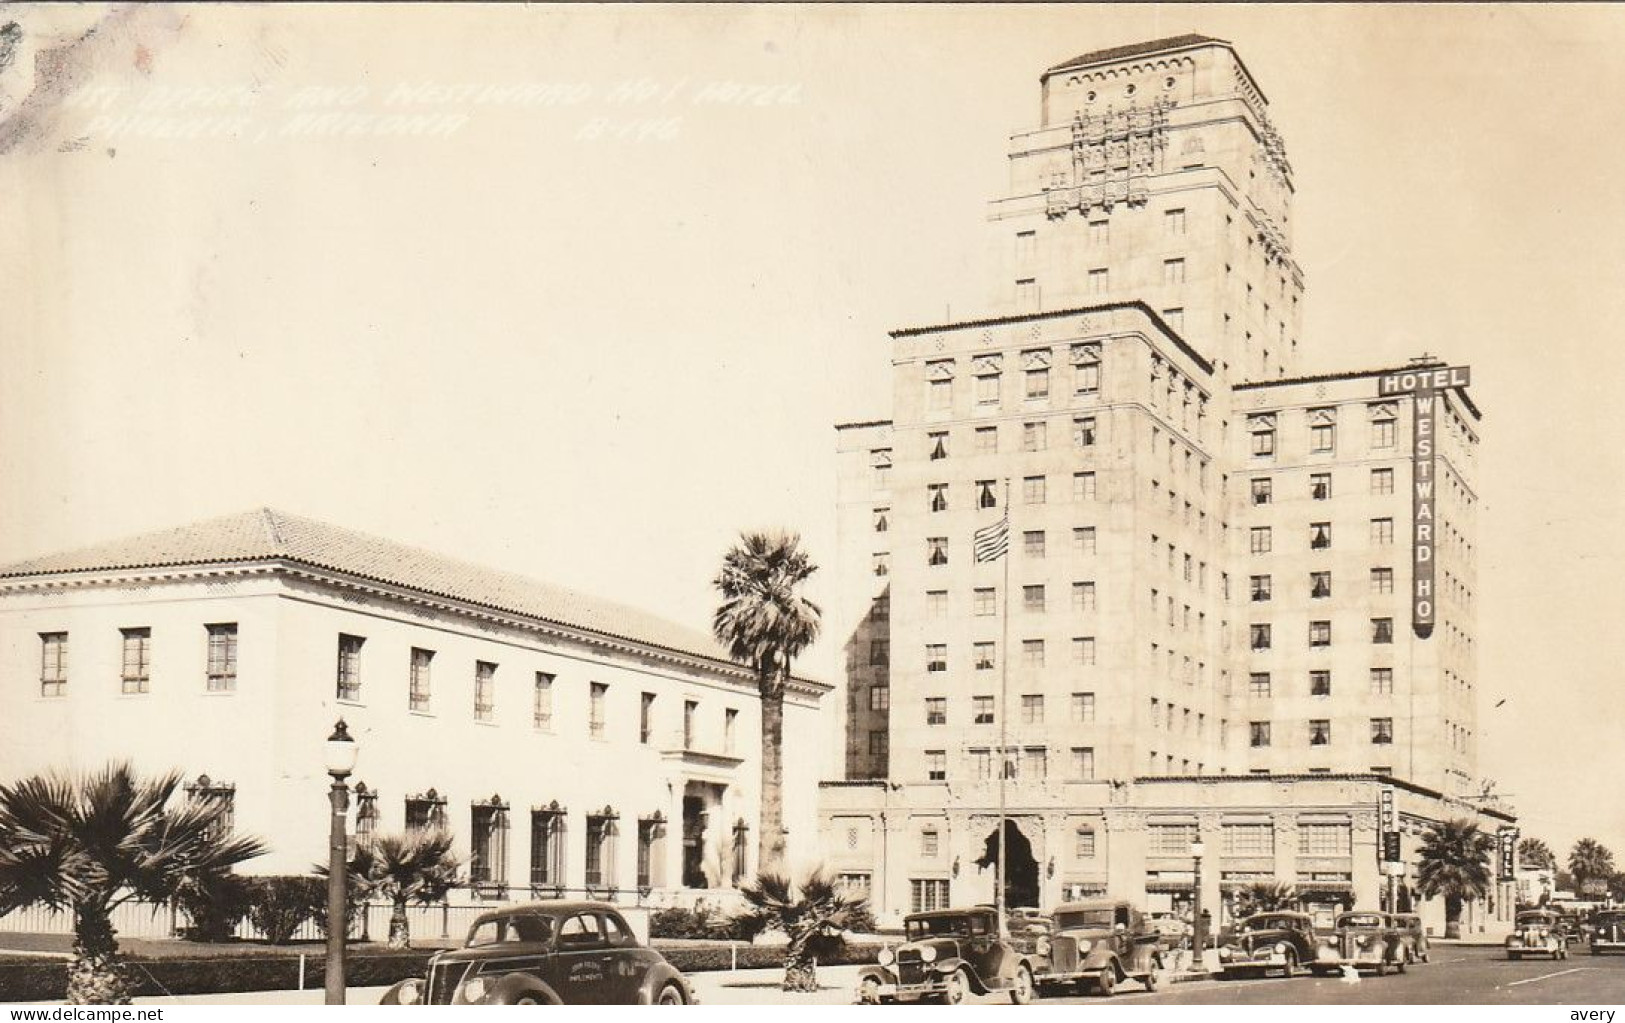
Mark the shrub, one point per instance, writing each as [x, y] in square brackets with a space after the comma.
[214, 906]
[278, 906]
[681, 923]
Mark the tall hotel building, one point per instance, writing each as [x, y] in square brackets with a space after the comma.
[1204, 627]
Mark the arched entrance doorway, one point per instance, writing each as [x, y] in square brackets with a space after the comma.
[1021, 879]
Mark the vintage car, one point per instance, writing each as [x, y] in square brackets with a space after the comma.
[1268, 941]
[1176, 933]
[547, 953]
[1608, 932]
[1365, 941]
[1537, 932]
[948, 955]
[1096, 944]
[1413, 936]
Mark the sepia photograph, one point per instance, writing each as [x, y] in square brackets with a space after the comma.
[810, 504]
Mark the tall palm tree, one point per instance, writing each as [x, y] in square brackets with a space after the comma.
[1590, 861]
[1532, 852]
[1454, 862]
[765, 623]
[813, 918]
[417, 866]
[91, 843]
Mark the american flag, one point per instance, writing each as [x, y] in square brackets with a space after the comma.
[993, 542]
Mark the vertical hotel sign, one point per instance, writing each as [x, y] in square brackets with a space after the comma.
[1424, 387]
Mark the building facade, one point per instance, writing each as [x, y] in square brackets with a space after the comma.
[571, 746]
[1204, 621]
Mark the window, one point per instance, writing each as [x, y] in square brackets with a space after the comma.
[1382, 580]
[349, 667]
[1173, 222]
[1320, 536]
[1249, 839]
[598, 698]
[646, 721]
[881, 564]
[940, 394]
[879, 745]
[856, 883]
[936, 603]
[488, 844]
[1382, 630]
[1258, 684]
[1382, 433]
[485, 674]
[1322, 437]
[1174, 317]
[1260, 539]
[1100, 232]
[1320, 732]
[1170, 839]
[882, 519]
[1083, 432]
[936, 710]
[925, 894]
[1083, 764]
[1259, 636]
[1083, 707]
[649, 830]
[366, 813]
[1382, 481]
[1086, 377]
[425, 811]
[987, 390]
[547, 846]
[1035, 763]
[1032, 597]
[937, 493]
[879, 698]
[982, 654]
[1320, 634]
[1320, 683]
[984, 601]
[1037, 384]
[987, 437]
[1027, 293]
[1083, 651]
[730, 729]
[1258, 733]
[417, 685]
[1320, 486]
[1083, 597]
[1263, 490]
[936, 765]
[936, 550]
[222, 657]
[1260, 587]
[936, 657]
[879, 652]
[1320, 585]
[137, 669]
[986, 495]
[930, 839]
[1032, 709]
[600, 871]
[1263, 441]
[1034, 436]
[220, 795]
[1325, 839]
[1026, 245]
[1382, 532]
[1083, 486]
[937, 444]
[1173, 271]
[981, 764]
[1032, 543]
[982, 709]
[1382, 681]
[1099, 280]
[1382, 731]
[1032, 653]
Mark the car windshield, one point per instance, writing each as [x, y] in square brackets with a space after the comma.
[1359, 920]
[1084, 918]
[940, 927]
[1535, 918]
[1271, 923]
[510, 930]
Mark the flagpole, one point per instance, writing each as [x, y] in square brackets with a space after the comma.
[1001, 873]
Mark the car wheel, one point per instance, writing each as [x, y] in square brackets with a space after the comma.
[1382, 967]
[1021, 993]
[1402, 961]
[527, 1000]
[671, 994]
[1106, 981]
[1153, 979]
[1291, 966]
[869, 991]
[958, 988]
[1514, 956]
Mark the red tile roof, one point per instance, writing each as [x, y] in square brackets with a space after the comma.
[1137, 49]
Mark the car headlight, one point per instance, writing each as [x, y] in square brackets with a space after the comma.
[411, 993]
[1224, 953]
[1043, 946]
[887, 956]
[473, 990]
[1280, 948]
[928, 954]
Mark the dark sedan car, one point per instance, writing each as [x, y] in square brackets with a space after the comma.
[1608, 932]
[547, 953]
[950, 954]
[1269, 941]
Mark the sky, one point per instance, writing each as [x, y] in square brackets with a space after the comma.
[580, 292]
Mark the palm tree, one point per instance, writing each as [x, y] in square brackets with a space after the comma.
[416, 866]
[1590, 861]
[89, 844]
[1454, 862]
[765, 622]
[1262, 897]
[1532, 852]
[813, 918]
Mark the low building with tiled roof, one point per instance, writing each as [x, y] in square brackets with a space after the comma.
[574, 745]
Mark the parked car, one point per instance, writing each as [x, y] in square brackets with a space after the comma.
[1268, 941]
[948, 955]
[1097, 943]
[1537, 932]
[547, 953]
[1365, 941]
[1175, 932]
[1608, 932]
[1413, 936]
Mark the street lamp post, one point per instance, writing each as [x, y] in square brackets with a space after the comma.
[341, 757]
[1198, 931]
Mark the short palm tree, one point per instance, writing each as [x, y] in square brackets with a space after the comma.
[765, 622]
[1590, 862]
[1454, 862]
[417, 866]
[1263, 897]
[1532, 852]
[813, 918]
[91, 843]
